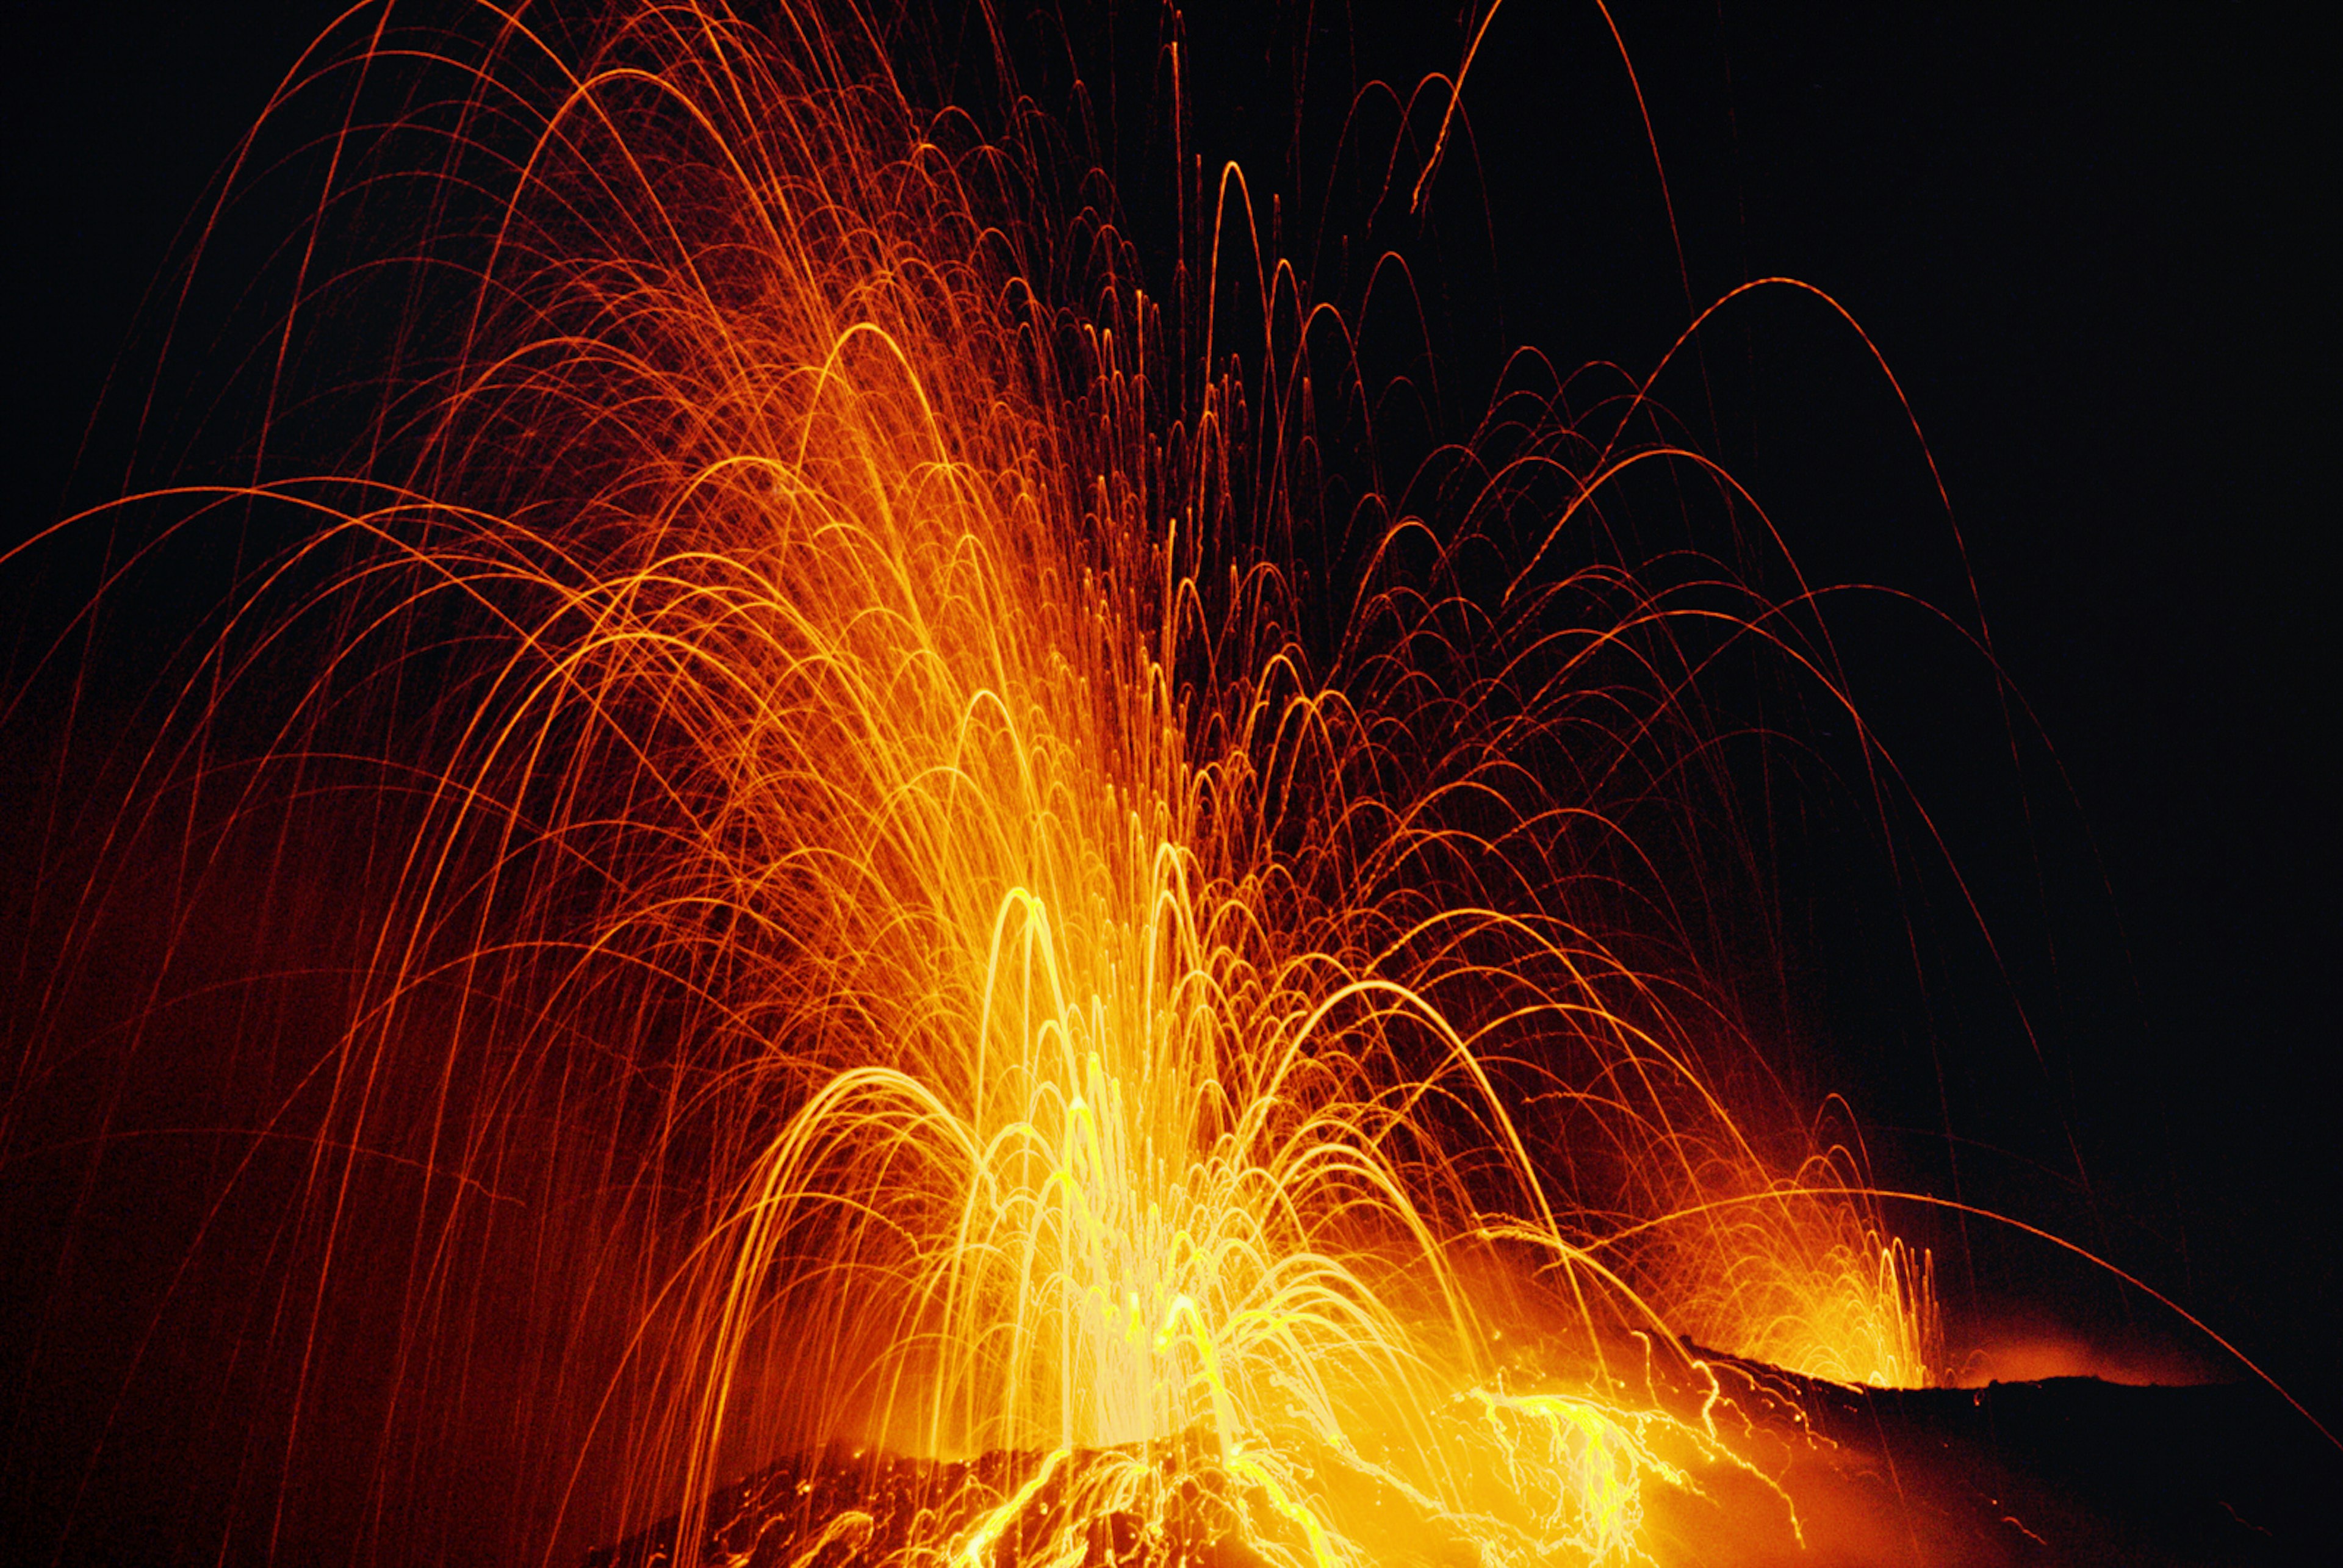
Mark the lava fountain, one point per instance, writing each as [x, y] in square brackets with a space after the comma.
[883, 922]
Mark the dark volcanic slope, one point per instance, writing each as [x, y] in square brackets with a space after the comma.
[2074, 1469]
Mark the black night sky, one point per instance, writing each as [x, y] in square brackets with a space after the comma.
[2087, 249]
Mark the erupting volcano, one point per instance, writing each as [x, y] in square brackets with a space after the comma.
[857, 823]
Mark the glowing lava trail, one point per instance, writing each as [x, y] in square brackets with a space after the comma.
[887, 926]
